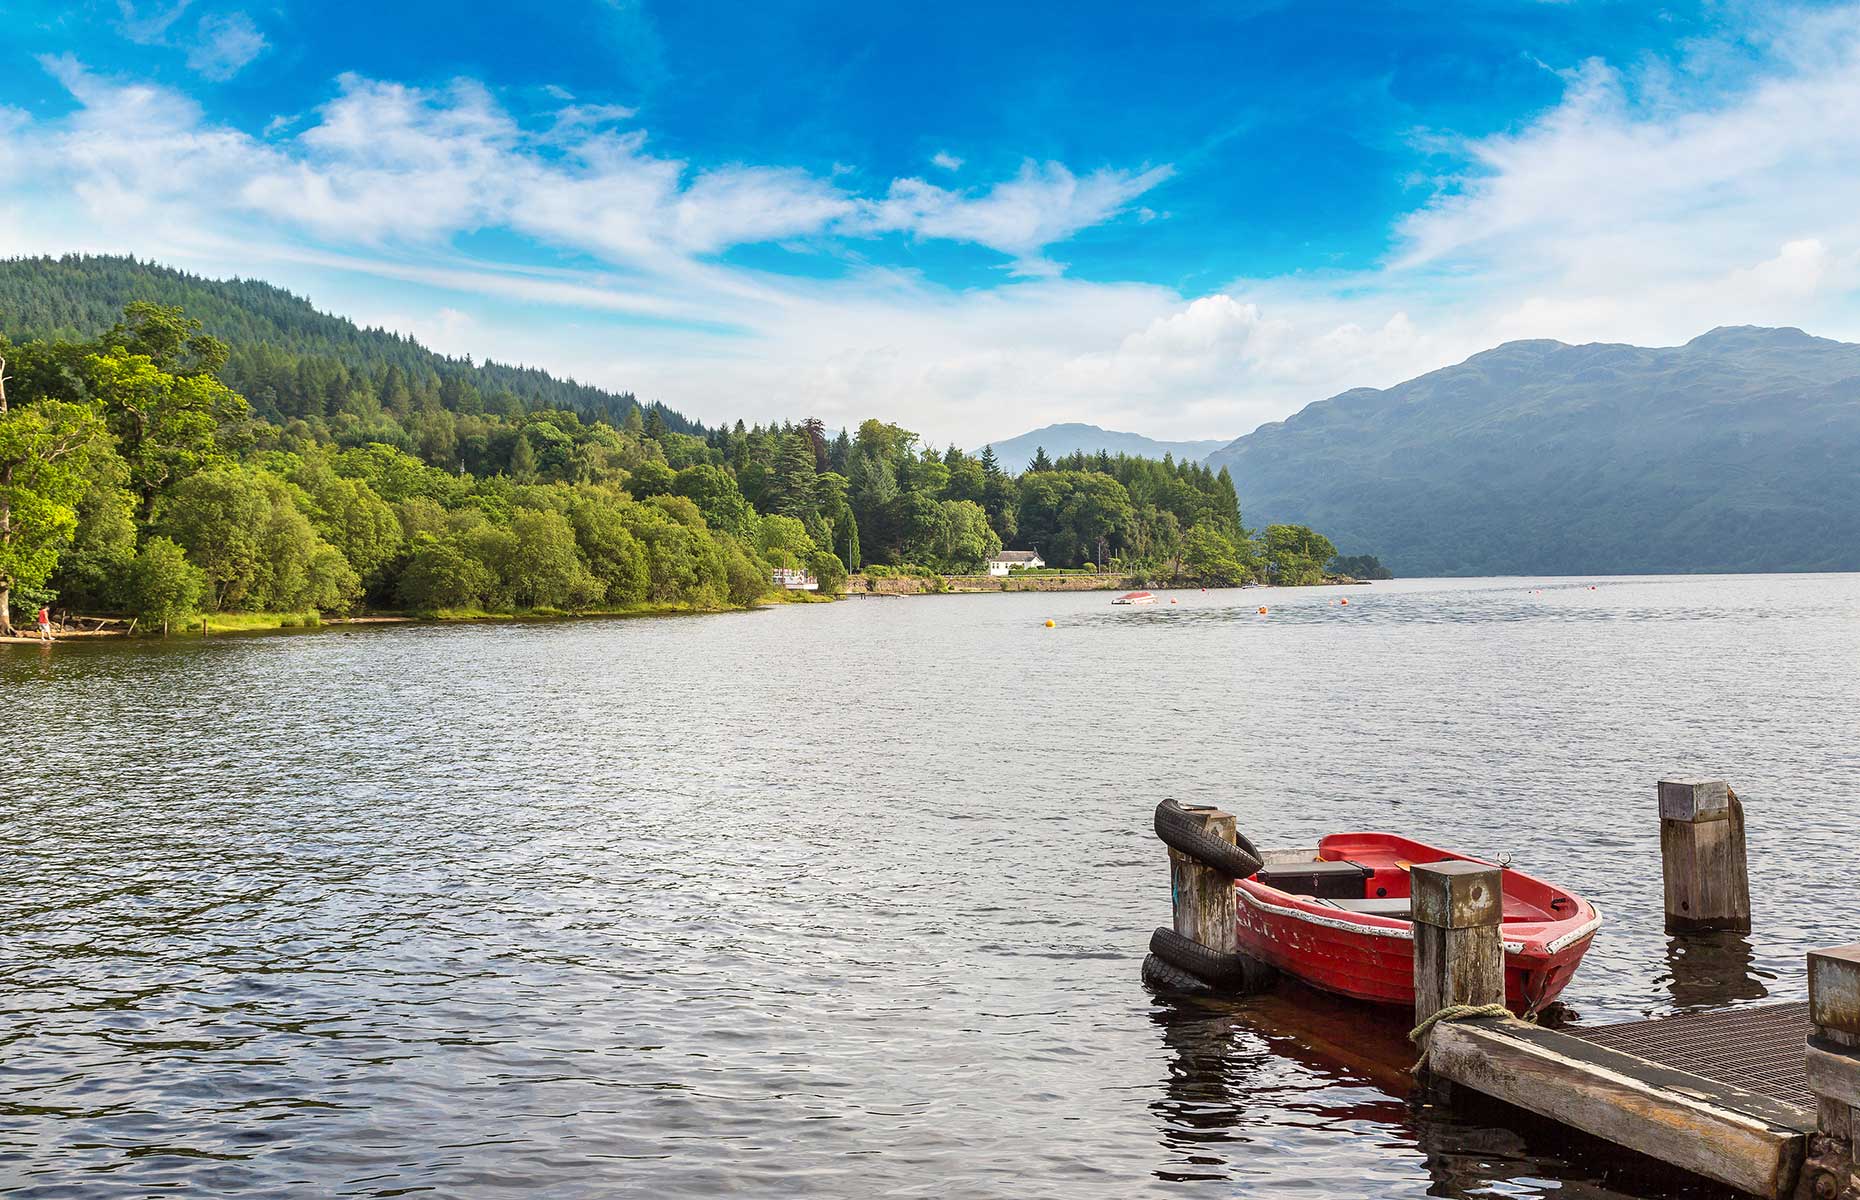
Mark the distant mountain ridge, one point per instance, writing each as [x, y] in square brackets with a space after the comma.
[1016, 452]
[1738, 451]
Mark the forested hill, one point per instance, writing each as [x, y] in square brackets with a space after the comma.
[282, 346]
[1738, 451]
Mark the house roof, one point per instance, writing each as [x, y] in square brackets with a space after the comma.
[1016, 556]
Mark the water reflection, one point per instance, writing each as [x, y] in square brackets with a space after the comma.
[1249, 1080]
[1202, 1108]
[1710, 970]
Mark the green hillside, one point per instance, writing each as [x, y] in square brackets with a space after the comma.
[284, 349]
[1738, 451]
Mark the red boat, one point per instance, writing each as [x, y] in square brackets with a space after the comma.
[1339, 920]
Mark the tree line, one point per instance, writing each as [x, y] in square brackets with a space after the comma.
[287, 358]
[875, 495]
[134, 478]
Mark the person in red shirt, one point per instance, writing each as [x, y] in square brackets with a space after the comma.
[45, 624]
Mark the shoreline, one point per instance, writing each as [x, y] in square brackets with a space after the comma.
[859, 584]
[235, 624]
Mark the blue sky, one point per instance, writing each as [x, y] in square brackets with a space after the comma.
[972, 219]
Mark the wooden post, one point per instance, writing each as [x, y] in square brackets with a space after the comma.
[1203, 898]
[1833, 1070]
[1702, 856]
[1459, 956]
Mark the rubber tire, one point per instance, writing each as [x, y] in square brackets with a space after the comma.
[1183, 832]
[1224, 972]
[1162, 977]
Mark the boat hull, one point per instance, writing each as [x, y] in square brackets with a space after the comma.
[1546, 930]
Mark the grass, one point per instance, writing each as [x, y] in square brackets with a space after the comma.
[242, 622]
[259, 622]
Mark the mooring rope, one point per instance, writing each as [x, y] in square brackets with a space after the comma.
[1457, 1012]
[1454, 1012]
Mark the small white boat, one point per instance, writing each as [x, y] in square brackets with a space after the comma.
[1135, 598]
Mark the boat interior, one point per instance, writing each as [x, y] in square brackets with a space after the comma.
[1367, 873]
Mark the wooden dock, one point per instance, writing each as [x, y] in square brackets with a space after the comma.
[1764, 1099]
[1715, 1125]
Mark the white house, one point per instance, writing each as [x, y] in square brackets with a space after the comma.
[1015, 560]
[794, 581]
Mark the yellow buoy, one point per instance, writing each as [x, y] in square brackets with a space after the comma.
[1049, 624]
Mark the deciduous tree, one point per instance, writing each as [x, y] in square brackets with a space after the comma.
[163, 586]
[46, 452]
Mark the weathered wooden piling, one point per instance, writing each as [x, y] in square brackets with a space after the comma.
[1459, 956]
[1203, 898]
[1702, 856]
[1833, 1071]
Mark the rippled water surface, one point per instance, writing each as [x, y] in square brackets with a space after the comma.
[849, 900]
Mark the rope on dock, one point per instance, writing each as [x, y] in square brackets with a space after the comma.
[1457, 1012]
[1453, 1012]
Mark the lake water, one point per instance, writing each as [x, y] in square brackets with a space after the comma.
[850, 900]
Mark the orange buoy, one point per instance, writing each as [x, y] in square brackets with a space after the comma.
[1262, 610]
[1172, 600]
[1345, 600]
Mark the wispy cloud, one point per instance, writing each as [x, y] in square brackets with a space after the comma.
[224, 44]
[946, 160]
[1044, 204]
[218, 48]
[385, 162]
[147, 24]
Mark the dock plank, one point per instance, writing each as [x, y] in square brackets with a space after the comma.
[1712, 1128]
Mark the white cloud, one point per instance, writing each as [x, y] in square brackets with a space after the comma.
[224, 44]
[386, 163]
[1045, 203]
[147, 25]
[219, 48]
[946, 160]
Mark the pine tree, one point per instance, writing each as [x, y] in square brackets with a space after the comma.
[523, 461]
[1040, 461]
[791, 482]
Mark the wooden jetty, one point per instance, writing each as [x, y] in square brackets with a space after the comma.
[1764, 1099]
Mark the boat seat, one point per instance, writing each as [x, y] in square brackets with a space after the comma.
[1400, 907]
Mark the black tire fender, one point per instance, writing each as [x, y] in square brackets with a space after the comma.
[1179, 830]
[1162, 977]
[1226, 972]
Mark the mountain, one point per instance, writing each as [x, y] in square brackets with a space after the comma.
[1015, 453]
[78, 296]
[1738, 451]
